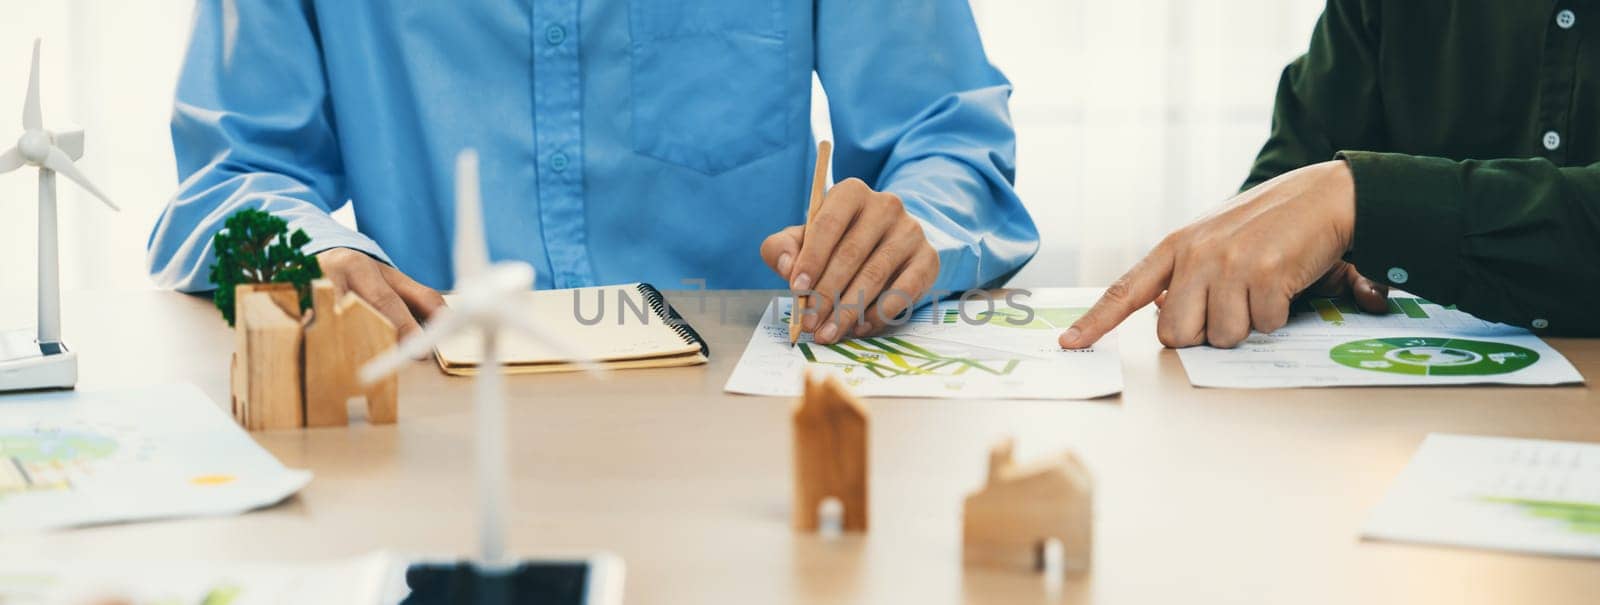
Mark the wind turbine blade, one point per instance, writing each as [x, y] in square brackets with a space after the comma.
[59, 162]
[471, 253]
[31, 120]
[71, 142]
[444, 324]
[11, 160]
[519, 322]
[385, 365]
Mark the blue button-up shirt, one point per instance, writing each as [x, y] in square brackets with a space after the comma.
[642, 140]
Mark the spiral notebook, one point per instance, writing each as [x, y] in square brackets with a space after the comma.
[621, 327]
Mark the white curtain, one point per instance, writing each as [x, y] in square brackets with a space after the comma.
[1134, 116]
[109, 67]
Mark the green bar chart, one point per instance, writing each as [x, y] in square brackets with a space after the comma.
[1339, 311]
[1326, 309]
[1410, 307]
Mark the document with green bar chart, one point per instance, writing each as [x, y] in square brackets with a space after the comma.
[1523, 495]
[1330, 343]
[1004, 348]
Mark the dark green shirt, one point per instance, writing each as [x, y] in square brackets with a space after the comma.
[1472, 128]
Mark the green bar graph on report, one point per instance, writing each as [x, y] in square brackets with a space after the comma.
[1041, 318]
[1579, 517]
[1333, 310]
[1327, 310]
[1410, 307]
[892, 356]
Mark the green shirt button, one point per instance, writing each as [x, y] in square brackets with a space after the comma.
[1552, 140]
[1565, 19]
[1540, 324]
[1398, 275]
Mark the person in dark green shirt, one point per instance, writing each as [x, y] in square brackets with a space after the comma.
[1449, 148]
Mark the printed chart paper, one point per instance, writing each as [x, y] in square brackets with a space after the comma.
[1522, 495]
[80, 458]
[366, 580]
[959, 350]
[1330, 343]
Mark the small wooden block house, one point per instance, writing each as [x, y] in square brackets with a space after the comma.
[1009, 521]
[830, 454]
[265, 378]
[341, 336]
[291, 371]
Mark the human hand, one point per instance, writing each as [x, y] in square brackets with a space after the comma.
[399, 298]
[1344, 280]
[866, 259]
[1240, 267]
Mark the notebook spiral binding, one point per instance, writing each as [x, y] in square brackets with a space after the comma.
[668, 315]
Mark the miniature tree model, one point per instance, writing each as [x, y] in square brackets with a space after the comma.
[255, 247]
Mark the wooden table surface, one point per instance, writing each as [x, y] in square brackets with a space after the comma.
[1204, 495]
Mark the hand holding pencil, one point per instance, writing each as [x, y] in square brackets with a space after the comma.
[859, 261]
[819, 184]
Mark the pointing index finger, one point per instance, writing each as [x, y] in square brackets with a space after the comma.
[1131, 292]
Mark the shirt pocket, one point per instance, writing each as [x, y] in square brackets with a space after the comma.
[708, 85]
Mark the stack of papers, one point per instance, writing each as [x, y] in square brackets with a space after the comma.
[1330, 343]
[1522, 495]
[79, 458]
[1004, 348]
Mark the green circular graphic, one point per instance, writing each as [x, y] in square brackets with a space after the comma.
[1433, 356]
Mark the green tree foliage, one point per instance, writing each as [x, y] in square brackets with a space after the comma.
[255, 247]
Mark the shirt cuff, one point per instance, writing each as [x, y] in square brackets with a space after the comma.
[958, 265]
[1408, 230]
[327, 234]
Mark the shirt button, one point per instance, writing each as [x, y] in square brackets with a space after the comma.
[1552, 140]
[1540, 324]
[1398, 275]
[558, 161]
[555, 34]
[1565, 19]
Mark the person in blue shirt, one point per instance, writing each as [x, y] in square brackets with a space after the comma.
[621, 140]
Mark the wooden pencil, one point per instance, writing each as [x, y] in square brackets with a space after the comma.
[819, 177]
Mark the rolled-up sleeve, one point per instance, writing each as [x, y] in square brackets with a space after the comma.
[919, 111]
[1513, 240]
[251, 128]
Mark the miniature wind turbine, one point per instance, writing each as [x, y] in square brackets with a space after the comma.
[484, 300]
[43, 362]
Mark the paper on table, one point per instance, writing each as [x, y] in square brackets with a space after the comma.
[366, 580]
[945, 351]
[1523, 495]
[80, 458]
[1329, 343]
